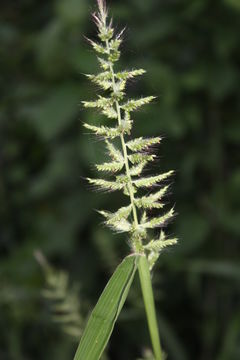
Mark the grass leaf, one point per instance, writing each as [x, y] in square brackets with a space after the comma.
[104, 315]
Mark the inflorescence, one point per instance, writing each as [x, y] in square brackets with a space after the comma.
[127, 161]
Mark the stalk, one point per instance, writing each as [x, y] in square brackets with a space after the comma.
[124, 149]
[147, 291]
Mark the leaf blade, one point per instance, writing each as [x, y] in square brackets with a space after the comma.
[103, 317]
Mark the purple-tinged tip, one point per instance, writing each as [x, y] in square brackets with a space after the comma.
[102, 6]
[102, 9]
[121, 33]
[96, 19]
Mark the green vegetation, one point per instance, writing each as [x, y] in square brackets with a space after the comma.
[191, 52]
[133, 219]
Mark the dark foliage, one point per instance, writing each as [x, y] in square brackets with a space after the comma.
[191, 51]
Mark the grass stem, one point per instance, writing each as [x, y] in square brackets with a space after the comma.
[147, 291]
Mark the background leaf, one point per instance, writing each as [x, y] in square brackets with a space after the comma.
[191, 52]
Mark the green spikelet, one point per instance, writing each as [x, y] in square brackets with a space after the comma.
[127, 162]
[103, 80]
[118, 220]
[97, 47]
[101, 103]
[158, 245]
[155, 247]
[138, 158]
[111, 166]
[124, 75]
[106, 185]
[122, 213]
[105, 65]
[114, 153]
[159, 221]
[152, 180]
[104, 131]
[137, 170]
[110, 113]
[140, 144]
[132, 105]
[152, 201]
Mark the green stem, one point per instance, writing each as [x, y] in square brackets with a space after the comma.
[124, 148]
[147, 291]
[143, 268]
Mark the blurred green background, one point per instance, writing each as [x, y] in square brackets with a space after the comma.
[191, 52]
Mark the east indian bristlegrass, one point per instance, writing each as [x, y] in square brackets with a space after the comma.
[127, 158]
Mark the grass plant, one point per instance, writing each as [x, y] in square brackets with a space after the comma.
[127, 159]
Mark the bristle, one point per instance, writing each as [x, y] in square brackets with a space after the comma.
[102, 8]
[119, 35]
[96, 19]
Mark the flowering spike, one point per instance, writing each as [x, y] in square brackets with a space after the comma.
[127, 163]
